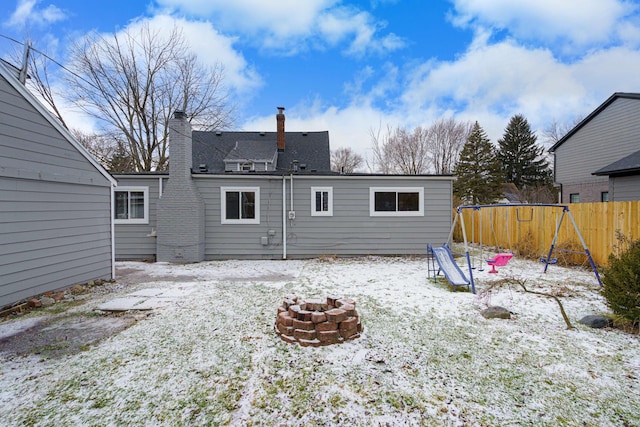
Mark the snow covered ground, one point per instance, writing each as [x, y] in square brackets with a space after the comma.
[426, 357]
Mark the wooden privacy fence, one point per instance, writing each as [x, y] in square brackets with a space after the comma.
[530, 229]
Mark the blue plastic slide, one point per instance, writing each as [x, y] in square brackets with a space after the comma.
[449, 267]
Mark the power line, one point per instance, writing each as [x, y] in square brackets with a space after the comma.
[247, 158]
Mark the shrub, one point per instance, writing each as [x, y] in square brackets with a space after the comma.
[622, 283]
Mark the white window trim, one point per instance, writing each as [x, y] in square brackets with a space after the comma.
[241, 166]
[372, 201]
[223, 205]
[329, 191]
[145, 191]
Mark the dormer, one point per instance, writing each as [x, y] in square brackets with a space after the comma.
[252, 156]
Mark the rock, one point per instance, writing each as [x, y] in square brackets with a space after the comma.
[596, 321]
[35, 303]
[47, 301]
[496, 312]
[77, 289]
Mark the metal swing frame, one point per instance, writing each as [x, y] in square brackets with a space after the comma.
[548, 259]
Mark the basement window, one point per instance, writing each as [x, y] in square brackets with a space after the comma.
[240, 205]
[393, 201]
[131, 205]
[321, 201]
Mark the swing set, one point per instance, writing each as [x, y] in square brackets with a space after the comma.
[502, 258]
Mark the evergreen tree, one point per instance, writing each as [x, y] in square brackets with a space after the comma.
[522, 159]
[121, 161]
[477, 170]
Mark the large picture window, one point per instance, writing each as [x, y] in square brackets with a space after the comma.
[392, 201]
[131, 205]
[321, 201]
[240, 205]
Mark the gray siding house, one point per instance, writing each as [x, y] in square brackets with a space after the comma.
[598, 159]
[55, 201]
[271, 195]
[624, 177]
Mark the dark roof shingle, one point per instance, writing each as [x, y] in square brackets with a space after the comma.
[310, 149]
[629, 165]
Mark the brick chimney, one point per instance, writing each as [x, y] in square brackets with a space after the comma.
[280, 128]
[180, 211]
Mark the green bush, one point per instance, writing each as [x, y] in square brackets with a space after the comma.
[622, 283]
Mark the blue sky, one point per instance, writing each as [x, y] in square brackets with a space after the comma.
[350, 67]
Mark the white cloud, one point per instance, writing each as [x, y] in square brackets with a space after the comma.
[27, 14]
[488, 83]
[289, 26]
[578, 23]
[348, 127]
[211, 48]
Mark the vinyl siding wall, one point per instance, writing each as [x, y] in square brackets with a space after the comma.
[137, 241]
[350, 231]
[55, 228]
[53, 235]
[608, 137]
[624, 188]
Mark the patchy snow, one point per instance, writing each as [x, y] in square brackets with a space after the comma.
[426, 357]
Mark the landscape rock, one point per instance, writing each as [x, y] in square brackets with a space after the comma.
[596, 321]
[496, 312]
[77, 289]
[47, 301]
[35, 303]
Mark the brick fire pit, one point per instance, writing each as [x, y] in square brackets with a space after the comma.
[316, 322]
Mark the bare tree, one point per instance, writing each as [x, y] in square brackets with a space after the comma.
[345, 160]
[132, 82]
[447, 137]
[422, 150]
[380, 159]
[400, 151]
[555, 131]
[37, 75]
[100, 147]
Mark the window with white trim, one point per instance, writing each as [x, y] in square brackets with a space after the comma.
[240, 205]
[396, 201]
[131, 205]
[321, 201]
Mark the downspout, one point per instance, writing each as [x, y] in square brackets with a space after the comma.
[291, 195]
[284, 217]
[113, 233]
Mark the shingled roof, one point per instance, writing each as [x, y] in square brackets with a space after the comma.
[629, 165]
[310, 149]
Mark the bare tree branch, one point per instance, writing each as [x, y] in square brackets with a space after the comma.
[345, 160]
[133, 81]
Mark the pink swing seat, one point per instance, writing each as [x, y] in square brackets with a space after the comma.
[499, 260]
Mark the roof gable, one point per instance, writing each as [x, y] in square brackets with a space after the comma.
[11, 78]
[595, 112]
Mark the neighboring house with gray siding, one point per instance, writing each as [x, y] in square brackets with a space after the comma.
[595, 161]
[55, 201]
[624, 177]
[284, 203]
